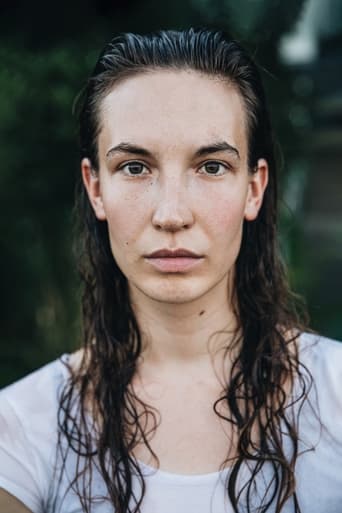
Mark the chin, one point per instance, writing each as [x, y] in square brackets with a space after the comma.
[171, 289]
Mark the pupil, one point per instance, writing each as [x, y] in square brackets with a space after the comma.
[212, 167]
[135, 168]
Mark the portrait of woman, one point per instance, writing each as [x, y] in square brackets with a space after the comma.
[199, 386]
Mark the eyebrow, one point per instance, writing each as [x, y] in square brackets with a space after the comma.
[125, 147]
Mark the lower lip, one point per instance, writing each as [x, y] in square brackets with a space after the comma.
[174, 264]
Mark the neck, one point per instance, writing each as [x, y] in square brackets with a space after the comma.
[185, 334]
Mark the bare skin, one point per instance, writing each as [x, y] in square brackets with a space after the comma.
[198, 441]
[190, 439]
[170, 198]
[9, 504]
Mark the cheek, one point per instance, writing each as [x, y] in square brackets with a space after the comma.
[225, 217]
[125, 217]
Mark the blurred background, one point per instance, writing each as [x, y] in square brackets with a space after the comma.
[47, 50]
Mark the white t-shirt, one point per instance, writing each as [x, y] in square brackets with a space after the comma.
[28, 427]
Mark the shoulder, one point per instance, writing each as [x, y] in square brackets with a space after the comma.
[38, 391]
[29, 406]
[319, 485]
[322, 357]
[28, 430]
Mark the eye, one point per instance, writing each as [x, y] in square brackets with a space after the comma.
[135, 168]
[215, 168]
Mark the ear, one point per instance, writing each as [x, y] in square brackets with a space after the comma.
[257, 184]
[91, 182]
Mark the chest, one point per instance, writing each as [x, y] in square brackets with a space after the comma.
[190, 438]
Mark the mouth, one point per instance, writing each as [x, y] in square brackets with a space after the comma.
[174, 264]
[168, 252]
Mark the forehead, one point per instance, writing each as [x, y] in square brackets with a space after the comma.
[175, 108]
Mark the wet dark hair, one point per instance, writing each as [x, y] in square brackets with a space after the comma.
[269, 321]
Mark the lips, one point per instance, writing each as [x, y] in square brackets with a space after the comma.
[167, 253]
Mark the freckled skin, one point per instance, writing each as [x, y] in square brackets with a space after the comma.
[175, 202]
[172, 203]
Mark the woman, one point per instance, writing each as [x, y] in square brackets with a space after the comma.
[198, 387]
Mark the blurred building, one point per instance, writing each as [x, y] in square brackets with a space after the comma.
[315, 50]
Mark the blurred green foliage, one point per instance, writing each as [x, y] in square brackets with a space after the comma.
[46, 54]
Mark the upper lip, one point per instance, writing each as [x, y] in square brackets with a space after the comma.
[180, 252]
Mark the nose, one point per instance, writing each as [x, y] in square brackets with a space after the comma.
[172, 212]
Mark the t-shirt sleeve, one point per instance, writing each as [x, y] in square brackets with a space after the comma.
[329, 383]
[28, 436]
[318, 475]
[18, 464]
[323, 358]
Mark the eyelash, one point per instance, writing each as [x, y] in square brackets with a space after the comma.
[135, 162]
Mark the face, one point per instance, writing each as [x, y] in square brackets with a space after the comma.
[173, 174]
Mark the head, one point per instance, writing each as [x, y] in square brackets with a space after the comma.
[200, 169]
